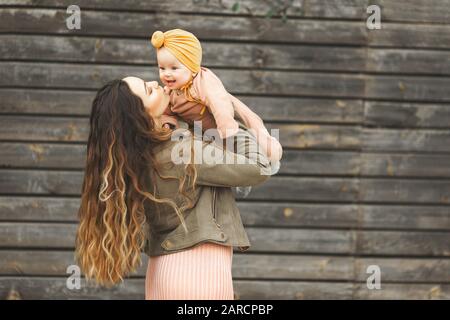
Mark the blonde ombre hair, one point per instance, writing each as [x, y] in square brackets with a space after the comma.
[112, 221]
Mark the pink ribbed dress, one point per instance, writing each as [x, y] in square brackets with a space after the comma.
[202, 272]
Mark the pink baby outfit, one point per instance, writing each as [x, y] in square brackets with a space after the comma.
[215, 107]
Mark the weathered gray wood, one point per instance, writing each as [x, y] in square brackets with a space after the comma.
[28, 128]
[280, 188]
[61, 156]
[49, 128]
[263, 214]
[47, 75]
[52, 21]
[255, 266]
[281, 240]
[136, 51]
[235, 28]
[394, 114]
[36, 235]
[294, 162]
[363, 116]
[418, 191]
[347, 9]
[395, 140]
[51, 235]
[405, 269]
[403, 243]
[260, 56]
[409, 217]
[403, 292]
[42, 155]
[434, 62]
[316, 136]
[405, 165]
[31, 208]
[62, 102]
[409, 190]
[55, 288]
[57, 102]
[408, 88]
[401, 35]
[69, 156]
[41, 182]
[50, 288]
[69, 183]
[431, 11]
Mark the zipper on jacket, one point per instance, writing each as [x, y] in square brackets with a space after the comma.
[214, 206]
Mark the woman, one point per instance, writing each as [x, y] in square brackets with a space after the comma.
[138, 197]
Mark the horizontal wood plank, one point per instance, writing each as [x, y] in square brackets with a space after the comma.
[254, 266]
[214, 54]
[263, 214]
[409, 115]
[294, 162]
[418, 191]
[346, 9]
[220, 54]
[205, 27]
[300, 136]
[404, 140]
[67, 129]
[49, 75]
[401, 35]
[273, 240]
[282, 83]
[55, 288]
[282, 109]
[432, 11]
[55, 263]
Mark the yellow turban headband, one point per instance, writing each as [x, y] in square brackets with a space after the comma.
[182, 44]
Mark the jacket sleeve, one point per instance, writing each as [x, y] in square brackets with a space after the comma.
[248, 166]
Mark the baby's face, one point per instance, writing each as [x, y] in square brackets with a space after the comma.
[172, 72]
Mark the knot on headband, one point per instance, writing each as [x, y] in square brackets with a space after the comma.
[157, 39]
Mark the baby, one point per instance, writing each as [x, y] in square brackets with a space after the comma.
[197, 94]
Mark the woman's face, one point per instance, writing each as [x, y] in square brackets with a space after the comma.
[153, 97]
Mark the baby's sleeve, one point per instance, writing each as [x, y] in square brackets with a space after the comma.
[211, 90]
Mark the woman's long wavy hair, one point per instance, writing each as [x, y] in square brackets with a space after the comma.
[112, 221]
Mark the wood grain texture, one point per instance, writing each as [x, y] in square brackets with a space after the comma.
[363, 116]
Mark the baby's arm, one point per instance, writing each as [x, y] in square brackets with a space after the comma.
[269, 144]
[217, 99]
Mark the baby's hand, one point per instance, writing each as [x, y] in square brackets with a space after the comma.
[166, 90]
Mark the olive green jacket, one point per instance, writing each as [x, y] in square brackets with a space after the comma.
[215, 216]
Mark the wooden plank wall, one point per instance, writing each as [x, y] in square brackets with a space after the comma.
[364, 116]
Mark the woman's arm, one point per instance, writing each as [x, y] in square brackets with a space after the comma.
[248, 166]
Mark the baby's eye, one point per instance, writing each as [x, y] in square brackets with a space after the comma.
[161, 68]
[174, 68]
